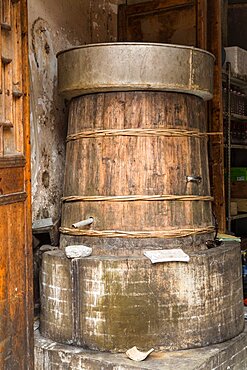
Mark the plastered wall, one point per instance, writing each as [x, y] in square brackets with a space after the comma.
[53, 26]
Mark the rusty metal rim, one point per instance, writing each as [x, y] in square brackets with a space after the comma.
[175, 46]
[129, 66]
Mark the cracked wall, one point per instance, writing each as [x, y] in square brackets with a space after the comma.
[54, 26]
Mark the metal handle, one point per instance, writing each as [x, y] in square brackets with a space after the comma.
[195, 179]
[80, 224]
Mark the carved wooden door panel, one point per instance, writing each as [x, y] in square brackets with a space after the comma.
[15, 210]
[169, 21]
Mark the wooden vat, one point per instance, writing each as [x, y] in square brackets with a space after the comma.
[136, 159]
[129, 154]
[136, 145]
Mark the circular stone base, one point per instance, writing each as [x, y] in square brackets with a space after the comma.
[114, 303]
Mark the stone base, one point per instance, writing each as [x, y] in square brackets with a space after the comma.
[111, 303]
[230, 355]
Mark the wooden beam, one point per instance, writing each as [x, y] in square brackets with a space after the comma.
[224, 26]
[28, 208]
[216, 121]
[201, 24]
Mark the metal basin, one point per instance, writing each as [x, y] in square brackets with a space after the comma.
[135, 66]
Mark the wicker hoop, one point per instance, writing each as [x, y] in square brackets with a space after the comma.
[131, 198]
[141, 132]
[166, 234]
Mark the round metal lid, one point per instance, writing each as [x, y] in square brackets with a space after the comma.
[135, 66]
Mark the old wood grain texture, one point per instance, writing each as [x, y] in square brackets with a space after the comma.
[174, 21]
[12, 161]
[1, 89]
[13, 274]
[239, 189]
[1, 96]
[1, 16]
[25, 80]
[7, 185]
[201, 24]
[6, 13]
[6, 59]
[224, 23]
[216, 118]
[16, 324]
[166, 306]
[9, 51]
[17, 83]
[121, 165]
[236, 26]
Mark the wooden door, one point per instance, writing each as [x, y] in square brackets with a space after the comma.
[16, 325]
[169, 21]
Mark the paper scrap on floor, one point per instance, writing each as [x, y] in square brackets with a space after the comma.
[167, 255]
[136, 355]
[228, 238]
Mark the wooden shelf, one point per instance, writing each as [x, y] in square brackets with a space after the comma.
[236, 117]
[239, 216]
[237, 146]
[235, 80]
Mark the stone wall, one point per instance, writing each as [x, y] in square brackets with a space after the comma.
[54, 26]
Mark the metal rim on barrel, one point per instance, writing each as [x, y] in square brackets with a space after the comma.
[135, 66]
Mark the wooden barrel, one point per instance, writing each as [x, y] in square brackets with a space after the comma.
[121, 302]
[136, 161]
[129, 156]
